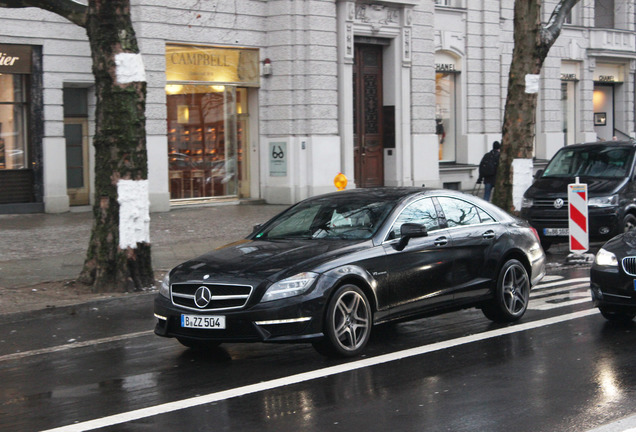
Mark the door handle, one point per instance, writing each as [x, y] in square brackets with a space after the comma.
[490, 234]
[441, 241]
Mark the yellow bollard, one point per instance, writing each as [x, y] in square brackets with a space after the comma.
[340, 181]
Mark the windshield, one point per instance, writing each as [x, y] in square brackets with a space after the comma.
[329, 218]
[590, 161]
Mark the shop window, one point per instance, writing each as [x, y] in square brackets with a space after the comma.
[76, 136]
[14, 151]
[445, 118]
[569, 111]
[205, 134]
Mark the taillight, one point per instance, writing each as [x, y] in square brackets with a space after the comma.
[536, 234]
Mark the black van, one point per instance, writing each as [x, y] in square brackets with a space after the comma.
[607, 167]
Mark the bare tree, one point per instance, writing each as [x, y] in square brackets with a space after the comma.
[120, 138]
[532, 42]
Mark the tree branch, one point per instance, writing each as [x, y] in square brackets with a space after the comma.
[69, 9]
[550, 32]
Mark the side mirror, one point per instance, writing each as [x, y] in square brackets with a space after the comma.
[408, 231]
[538, 174]
[256, 228]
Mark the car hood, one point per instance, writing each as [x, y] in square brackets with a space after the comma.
[553, 187]
[260, 259]
[622, 244]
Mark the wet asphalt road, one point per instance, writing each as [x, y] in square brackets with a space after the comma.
[562, 368]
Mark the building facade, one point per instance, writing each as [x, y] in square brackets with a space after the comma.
[271, 99]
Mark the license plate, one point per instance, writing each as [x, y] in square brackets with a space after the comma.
[555, 231]
[203, 322]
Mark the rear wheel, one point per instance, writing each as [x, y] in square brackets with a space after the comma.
[511, 294]
[347, 326]
[622, 317]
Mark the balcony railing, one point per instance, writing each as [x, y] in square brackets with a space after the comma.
[612, 40]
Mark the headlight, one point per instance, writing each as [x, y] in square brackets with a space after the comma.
[605, 201]
[164, 289]
[289, 287]
[605, 258]
[527, 202]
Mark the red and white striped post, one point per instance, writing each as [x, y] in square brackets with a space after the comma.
[578, 220]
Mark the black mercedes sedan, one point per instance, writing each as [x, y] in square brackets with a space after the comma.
[613, 278]
[331, 267]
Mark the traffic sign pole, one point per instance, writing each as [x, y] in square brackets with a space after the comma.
[578, 217]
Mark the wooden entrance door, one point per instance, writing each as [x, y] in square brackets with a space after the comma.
[367, 116]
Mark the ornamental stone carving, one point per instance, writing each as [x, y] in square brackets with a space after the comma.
[377, 16]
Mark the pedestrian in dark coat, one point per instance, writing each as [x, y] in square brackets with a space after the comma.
[488, 169]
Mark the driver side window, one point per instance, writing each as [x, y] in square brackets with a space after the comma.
[421, 212]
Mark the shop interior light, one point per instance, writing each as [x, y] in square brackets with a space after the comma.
[174, 88]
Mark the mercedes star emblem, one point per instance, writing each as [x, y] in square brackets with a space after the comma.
[202, 297]
[558, 203]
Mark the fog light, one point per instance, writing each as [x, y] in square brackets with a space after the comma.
[603, 230]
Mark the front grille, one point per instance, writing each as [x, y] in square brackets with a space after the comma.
[542, 202]
[224, 296]
[629, 265]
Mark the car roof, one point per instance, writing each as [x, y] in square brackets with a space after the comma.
[393, 193]
[387, 192]
[626, 143]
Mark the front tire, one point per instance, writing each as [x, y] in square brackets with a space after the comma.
[348, 323]
[619, 317]
[511, 294]
[629, 222]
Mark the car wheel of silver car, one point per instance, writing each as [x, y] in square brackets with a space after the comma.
[622, 317]
[511, 294]
[629, 222]
[348, 322]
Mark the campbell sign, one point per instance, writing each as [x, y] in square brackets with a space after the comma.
[193, 63]
[15, 59]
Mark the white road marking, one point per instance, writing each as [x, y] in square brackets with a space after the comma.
[92, 342]
[559, 283]
[567, 293]
[546, 291]
[627, 424]
[307, 376]
[547, 306]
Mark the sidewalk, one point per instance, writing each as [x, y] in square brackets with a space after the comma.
[42, 254]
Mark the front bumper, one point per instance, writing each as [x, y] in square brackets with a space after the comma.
[286, 320]
[603, 222]
[612, 290]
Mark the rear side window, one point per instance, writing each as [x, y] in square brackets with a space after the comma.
[459, 212]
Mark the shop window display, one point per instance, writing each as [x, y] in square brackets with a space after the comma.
[204, 140]
[13, 115]
[445, 115]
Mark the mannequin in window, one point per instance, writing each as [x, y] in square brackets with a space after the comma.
[441, 135]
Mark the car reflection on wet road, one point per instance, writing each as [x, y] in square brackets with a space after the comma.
[562, 367]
